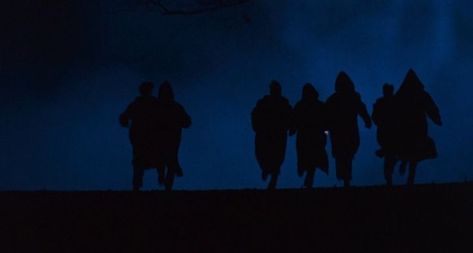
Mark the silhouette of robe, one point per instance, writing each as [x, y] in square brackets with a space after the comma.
[343, 108]
[386, 119]
[271, 121]
[171, 118]
[141, 113]
[414, 106]
[310, 124]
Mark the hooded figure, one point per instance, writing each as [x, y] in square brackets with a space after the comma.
[385, 118]
[343, 108]
[310, 124]
[171, 118]
[271, 120]
[141, 115]
[414, 106]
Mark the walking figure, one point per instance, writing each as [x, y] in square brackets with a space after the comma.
[310, 124]
[343, 108]
[271, 122]
[171, 119]
[139, 116]
[414, 106]
[385, 118]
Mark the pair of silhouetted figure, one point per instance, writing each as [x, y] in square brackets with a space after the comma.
[155, 133]
[402, 126]
[401, 121]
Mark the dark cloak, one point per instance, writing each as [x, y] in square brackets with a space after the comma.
[310, 124]
[415, 105]
[271, 121]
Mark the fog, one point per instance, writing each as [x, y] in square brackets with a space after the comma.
[69, 68]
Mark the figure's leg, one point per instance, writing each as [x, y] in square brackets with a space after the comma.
[175, 166]
[402, 168]
[412, 173]
[138, 173]
[347, 172]
[273, 180]
[264, 174]
[309, 179]
[161, 175]
[346, 183]
[389, 163]
[169, 181]
[339, 168]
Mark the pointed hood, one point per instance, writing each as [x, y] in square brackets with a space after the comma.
[343, 83]
[309, 92]
[165, 92]
[411, 83]
[275, 88]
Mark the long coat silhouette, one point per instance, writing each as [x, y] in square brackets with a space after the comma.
[139, 116]
[414, 106]
[343, 108]
[310, 124]
[271, 122]
[171, 117]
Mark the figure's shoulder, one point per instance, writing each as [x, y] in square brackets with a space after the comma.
[379, 101]
[264, 100]
[331, 98]
[179, 106]
[357, 95]
[320, 103]
[285, 101]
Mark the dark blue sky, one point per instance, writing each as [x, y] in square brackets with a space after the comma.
[68, 68]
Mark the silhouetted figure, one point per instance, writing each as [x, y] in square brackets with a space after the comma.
[343, 107]
[414, 106]
[141, 115]
[271, 121]
[385, 118]
[310, 123]
[171, 118]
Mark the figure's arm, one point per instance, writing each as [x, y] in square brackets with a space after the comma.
[125, 117]
[432, 110]
[375, 114]
[186, 120]
[255, 118]
[293, 119]
[363, 112]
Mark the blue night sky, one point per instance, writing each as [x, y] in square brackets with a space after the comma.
[69, 68]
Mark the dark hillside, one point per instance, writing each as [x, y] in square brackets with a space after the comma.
[434, 218]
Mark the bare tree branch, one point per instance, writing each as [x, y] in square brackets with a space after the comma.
[219, 4]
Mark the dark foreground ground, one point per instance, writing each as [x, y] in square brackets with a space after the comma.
[433, 218]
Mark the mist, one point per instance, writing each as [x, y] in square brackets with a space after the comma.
[68, 69]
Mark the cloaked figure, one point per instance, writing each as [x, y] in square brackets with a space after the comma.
[414, 106]
[343, 108]
[310, 124]
[271, 121]
[139, 117]
[171, 119]
[385, 118]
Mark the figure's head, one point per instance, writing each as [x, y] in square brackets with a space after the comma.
[388, 90]
[343, 83]
[275, 88]
[411, 84]
[146, 88]
[165, 91]
[309, 92]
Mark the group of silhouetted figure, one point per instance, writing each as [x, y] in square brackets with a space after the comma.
[401, 119]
